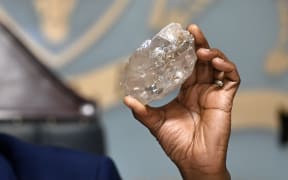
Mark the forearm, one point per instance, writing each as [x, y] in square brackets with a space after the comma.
[193, 175]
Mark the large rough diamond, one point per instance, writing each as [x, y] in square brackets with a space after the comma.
[160, 65]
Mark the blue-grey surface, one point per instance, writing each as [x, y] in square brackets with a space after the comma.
[245, 30]
[255, 154]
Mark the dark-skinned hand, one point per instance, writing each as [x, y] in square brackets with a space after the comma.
[194, 128]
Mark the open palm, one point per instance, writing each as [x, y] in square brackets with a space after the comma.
[194, 128]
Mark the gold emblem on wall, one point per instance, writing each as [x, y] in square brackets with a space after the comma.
[101, 85]
[97, 30]
[277, 60]
[54, 18]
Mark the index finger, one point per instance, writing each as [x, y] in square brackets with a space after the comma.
[200, 39]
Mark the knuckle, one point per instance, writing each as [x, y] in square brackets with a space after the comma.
[216, 51]
[219, 53]
[239, 80]
[233, 65]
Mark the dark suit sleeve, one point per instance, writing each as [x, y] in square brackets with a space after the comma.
[32, 162]
[108, 170]
[6, 171]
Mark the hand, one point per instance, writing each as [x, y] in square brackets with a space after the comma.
[194, 128]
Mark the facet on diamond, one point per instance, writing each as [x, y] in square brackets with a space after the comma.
[160, 65]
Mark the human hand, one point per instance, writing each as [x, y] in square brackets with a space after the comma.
[194, 128]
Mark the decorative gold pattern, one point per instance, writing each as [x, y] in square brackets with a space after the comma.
[277, 60]
[54, 18]
[101, 26]
[101, 85]
[258, 108]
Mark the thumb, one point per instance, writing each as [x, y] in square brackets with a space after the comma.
[150, 117]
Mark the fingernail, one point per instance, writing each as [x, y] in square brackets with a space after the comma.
[219, 60]
[204, 50]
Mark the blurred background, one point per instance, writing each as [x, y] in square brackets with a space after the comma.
[60, 63]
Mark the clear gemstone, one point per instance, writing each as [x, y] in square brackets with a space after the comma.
[160, 65]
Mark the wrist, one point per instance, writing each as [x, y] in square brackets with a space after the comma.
[195, 174]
